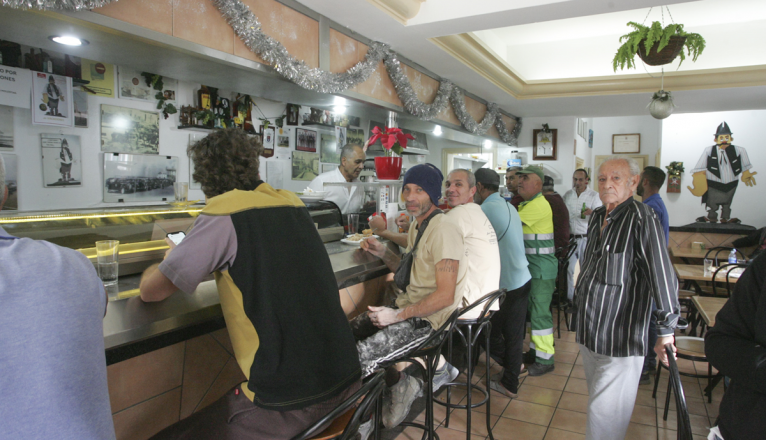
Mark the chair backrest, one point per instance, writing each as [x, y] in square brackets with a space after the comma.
[488, 300]
[684, 425]
[719, 249]
[728, 268]
[370, 391]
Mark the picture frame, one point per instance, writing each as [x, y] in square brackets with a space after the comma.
[305, 165]
[129, 130]
[626, 143]
[293, 110]
[329, 152]
[283, 141]
[305, 140]
[61, 160]
[268, 137]
[52, 101]
[11, 181]
[6, 128]
[544, 145]
[139, 177]
[355, 136]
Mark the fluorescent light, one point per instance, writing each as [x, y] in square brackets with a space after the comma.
[487, 143]
[339, 109]
[438, 130]
[339, 100]
[68, 40]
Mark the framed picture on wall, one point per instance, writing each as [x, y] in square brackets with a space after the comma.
[62, 162]
[305, 140]
[544, 145]
[626, 143]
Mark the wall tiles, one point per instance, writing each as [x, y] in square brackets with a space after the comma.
[156, 15]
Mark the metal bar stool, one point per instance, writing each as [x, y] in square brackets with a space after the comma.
[469, 330]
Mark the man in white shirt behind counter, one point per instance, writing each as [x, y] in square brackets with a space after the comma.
[580, 201]
[351, 164]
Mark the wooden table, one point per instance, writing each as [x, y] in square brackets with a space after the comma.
[687, 252]
[708, 307]
[696, 272]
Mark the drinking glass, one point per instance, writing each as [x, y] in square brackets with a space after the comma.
[107, 257]
[708, 266]
[353, 223]
[181, 191]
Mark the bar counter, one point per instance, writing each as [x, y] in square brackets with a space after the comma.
[133, 328]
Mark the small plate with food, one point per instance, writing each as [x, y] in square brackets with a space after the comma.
[309, 195]
[356, 239]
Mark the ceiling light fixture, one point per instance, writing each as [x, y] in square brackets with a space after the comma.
[339, 109]
[438, 130]
[487, 144]
[68, 40]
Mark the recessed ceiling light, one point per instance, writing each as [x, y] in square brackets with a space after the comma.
[438, 130]
[339, 109]
[487, 143]
[68, 40]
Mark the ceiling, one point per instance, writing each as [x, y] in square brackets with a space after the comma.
[553, 57]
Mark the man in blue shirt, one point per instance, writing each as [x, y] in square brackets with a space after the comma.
[652, 180]
[508, 324]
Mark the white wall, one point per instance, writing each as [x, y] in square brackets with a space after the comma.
[649, 128]
[684, 139]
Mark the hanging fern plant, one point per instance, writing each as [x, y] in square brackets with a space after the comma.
[155, 82]
[650, 41]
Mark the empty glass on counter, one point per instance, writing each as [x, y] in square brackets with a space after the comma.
[708, 267]
[181, 191]
[107, 258]
[352, 223]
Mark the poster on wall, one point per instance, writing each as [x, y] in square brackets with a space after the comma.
[283, 141]
[193, 138]
[127, 130]
[100, 77]
[62, 161]
[305, 165]
[6, 127]
[132, 85]
[80, 109]
[329, 150]
[355, 136]
[11, 181]
[15, 86]
[305, 140]
[340, 133]
[52, 101]
[139, 177]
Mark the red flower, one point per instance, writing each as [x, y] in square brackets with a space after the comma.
[390, 137]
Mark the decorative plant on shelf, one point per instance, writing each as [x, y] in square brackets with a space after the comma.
[661, 105]
[204, 117]
[657, 45]
[392, 138]
[155, 82]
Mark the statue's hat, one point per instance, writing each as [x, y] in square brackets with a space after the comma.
[723, 129]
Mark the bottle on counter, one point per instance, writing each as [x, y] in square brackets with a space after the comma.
[582, 211]
[733, 256]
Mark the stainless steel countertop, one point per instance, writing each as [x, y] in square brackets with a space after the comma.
[131, 321]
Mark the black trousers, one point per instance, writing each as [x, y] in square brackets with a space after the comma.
[507, 336]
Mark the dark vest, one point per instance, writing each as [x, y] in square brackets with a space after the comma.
[712, 166]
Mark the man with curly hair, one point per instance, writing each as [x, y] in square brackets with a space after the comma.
[289, 333]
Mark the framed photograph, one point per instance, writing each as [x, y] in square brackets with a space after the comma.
[329, 152]
[355, 136]
[193, 138]
[268, 137]
[544, 145]
[283, 141]
[626, 143]
[11, 181]
[62, 161]
[590, 138]
[305, 140]
[340, 134]
[292, 114]
[80, 109]
[132, 85]
[6, 127]
[305, 165]
[52, 102]
[127, 130]
[139, 177]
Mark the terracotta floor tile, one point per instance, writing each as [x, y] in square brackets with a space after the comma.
[498, 401]
[559, 434]
[640, 432]
[579, 360]
[579, 386]
[665, 434]
[565, 357]
[695, 406]
[457, 422]
[542, 396]
[574, 402]
[550, 381]
[410, 434]
[578, 372]
[440, 413]
[569, 420]
[644, 415]
[568, 347]
[529, 412]
[700, 424]
[517, 430]
[644, 397]
[568, 336]
[452, 434]
[562, 369]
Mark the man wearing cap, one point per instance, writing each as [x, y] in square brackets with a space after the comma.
[435, 288]
[509, 323]
[537, 224]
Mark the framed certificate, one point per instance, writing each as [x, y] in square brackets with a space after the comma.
[626, 143]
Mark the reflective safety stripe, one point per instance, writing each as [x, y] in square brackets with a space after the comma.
[538, 236]
[531, 345]
[546, 332]
[548, 250]
[543, 355]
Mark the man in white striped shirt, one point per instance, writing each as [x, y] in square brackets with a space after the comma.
[580, 201]
[626, 266]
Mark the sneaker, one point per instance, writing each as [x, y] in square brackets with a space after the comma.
[645, 378]
[365, 429]
[497, 386]
[444, 375]
[402, 395]
[538, 369]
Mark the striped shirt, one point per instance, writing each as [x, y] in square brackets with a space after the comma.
[589, 197]
[625, 267]
[724, 166]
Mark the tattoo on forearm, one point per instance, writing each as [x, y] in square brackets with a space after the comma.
[449, 266]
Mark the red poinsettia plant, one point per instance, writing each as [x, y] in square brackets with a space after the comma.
[393, 139]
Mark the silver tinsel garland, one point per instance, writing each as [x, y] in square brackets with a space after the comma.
[458, 105]
[408, 96]
[56, 5]
[509, 137]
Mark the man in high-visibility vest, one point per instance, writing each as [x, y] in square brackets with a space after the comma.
[537, 224]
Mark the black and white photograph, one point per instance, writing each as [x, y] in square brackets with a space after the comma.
[139, 177]
[127, 130]
[11, 181]
[80, 109]
[283, 141]
[6, 127]
[52, 102]
[305, 165]
[305, 140]
[132, 85]
[355, 136]
[62, 161]
[292, 114]
[340, 133]
[193, 138]
[329, 152]
[268, 138]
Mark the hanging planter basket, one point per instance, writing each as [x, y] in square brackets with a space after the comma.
[666, 55]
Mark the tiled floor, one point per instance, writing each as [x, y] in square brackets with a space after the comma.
[554, 406]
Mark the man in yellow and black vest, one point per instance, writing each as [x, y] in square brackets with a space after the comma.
[537, 225]
[290, 336]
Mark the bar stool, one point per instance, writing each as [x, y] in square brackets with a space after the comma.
[469, 330]
[429, 351]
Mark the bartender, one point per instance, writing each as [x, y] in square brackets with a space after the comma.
[349, 200]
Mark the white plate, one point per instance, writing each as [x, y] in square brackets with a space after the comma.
[311, 198]
[356, 243]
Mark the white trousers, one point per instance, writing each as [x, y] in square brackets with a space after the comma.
[612, 388]
[578, 253]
